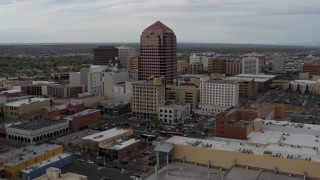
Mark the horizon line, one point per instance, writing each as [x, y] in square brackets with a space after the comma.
[182, 42]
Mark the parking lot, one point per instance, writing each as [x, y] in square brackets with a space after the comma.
[196, 126]
[92, 172]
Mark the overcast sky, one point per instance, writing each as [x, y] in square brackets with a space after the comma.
[214, 21]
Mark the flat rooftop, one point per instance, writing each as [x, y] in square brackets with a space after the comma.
[192, 75]
[250, 77]
[60, 107]
[181, 171]
[147, 83]
[25, 101]
[30, 152]
[34, 124]
[66, 176]
[76, 136]
[11, 91]
[81, 113]
[123, 144]
[302, 128]
[175, 106]
[239, 173]
[256, 76]
[285, 149]
[187, 171]
[223, 81]
[106, 134]
[63, 86]
[57, 107]
[304, 82]
[46, 162]
[42, 82]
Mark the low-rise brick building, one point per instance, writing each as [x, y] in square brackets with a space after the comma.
[83, 119]
[52, 112]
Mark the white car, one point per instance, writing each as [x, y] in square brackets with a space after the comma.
[133, 177]
[98, 157]
[90, 162]
[99, 168]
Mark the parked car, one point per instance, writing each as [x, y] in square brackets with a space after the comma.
[90, 162]
[98, 157]
[99, 168]
[133, 177]
[81, 160]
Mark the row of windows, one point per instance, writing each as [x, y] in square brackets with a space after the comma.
[11, 108]
[161, 115]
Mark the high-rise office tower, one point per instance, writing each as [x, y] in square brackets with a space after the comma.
[158, 53]
[277, 62]
[105, 55]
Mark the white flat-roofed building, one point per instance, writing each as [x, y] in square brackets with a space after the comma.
[250, 65]
[124, 144]
[174, 113]
[257, 77]
[36, 130]
[104, 138]
[123, 149]
[218, 95]
[24, 107]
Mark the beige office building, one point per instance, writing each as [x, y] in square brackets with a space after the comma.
[183, 94]
[147, 97]
[24, 108]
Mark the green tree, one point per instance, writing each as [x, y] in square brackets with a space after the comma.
[156, 121]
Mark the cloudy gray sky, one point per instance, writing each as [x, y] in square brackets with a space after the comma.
[215, 21]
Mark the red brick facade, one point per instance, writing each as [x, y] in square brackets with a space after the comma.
[233, 123]
[83, 121]
[53, 113]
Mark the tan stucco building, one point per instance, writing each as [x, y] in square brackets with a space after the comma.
[183, 93]
[24, 107]
[279, 146]
[147, 97]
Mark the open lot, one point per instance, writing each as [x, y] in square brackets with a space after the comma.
[92, 172]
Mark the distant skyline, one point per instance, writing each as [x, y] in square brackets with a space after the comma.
[203, 21]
